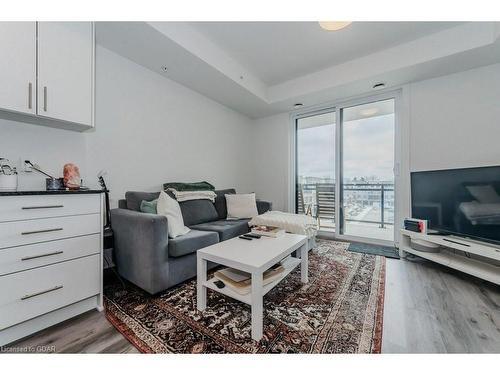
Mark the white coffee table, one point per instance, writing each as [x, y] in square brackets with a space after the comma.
[254, 257]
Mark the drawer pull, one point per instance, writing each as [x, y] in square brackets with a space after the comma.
[42, 255]
[42, 207]
[42, 231]
[28, 296]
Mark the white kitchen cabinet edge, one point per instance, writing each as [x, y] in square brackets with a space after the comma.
[52, 122]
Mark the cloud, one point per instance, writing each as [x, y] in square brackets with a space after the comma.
[368, 149]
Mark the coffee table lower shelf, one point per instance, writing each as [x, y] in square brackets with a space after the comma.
[289, 264]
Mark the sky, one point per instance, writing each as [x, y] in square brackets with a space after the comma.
[368, 149]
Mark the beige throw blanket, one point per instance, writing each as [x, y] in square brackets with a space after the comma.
[292, 223]
[182, 196]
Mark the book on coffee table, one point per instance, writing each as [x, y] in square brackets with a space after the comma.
[268, 230]
[241, 282]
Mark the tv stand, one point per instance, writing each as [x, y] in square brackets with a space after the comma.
[456, 242]
[454, 254]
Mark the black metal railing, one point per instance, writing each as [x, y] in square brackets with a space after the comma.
[381, 189]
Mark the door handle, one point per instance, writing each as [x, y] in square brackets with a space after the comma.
[41, 231]
[45, 98]
[28, 296]
[30, 95]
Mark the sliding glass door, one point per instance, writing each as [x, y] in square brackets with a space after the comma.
[315, 167]
[353, 144]
[367, 170]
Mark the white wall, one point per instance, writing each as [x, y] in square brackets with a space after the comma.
[454, 121]
[272, 157]
[149, 130]
[50, 148]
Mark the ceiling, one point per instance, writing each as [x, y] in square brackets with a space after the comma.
[280, 51]
[264, 68]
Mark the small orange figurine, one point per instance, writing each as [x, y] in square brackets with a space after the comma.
[71, 176]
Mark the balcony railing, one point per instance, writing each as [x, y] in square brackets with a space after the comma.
[319, 200]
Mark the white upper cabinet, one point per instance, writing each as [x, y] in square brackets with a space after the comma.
[18, 66]
[66, 71]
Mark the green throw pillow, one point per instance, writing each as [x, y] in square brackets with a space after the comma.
[149, 207]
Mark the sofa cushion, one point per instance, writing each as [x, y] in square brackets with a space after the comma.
[134, 199]
[149, 207]
[198, 211]
[241, 206]
[220, 202]
[169, 207]
[226, 229]
[191, 242]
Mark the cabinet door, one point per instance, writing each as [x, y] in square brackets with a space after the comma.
[65, 71]
[18, 66]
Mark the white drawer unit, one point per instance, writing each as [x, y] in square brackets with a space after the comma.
[43, 206]
[22, 258]
[28, 294]
[18, 233]
[50, 259]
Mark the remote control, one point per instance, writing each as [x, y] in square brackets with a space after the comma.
[245, 238]
[219, 284]
[253, 235]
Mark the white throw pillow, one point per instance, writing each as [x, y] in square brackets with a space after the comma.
[241, 206]
[169, 207]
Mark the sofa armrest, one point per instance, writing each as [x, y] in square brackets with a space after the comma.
[141, 243]
[263, 206]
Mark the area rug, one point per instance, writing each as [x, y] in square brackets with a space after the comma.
[340, 310]
[386, 251]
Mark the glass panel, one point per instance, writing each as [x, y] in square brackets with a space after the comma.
[316, 168]
[367, 170]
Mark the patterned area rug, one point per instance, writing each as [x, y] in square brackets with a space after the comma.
[339, 311]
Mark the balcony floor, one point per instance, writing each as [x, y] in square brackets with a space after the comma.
[366, 230]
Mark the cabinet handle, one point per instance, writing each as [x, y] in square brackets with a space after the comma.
[45, 98]
[28, 296]
[42, 255]
[42, 231]
[41, 207]
[30, 94]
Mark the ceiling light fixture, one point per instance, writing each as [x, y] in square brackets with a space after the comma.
[297, 105]
[334, 25]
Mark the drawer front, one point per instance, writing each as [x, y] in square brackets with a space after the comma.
[28, 294]
[44, 206]
[18, 233]
[21, 258]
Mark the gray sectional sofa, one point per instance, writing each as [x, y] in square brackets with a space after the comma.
[145, 255]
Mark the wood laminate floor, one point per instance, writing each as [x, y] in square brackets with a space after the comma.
[428, 309]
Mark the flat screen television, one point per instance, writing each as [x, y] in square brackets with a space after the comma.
[464, 202]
